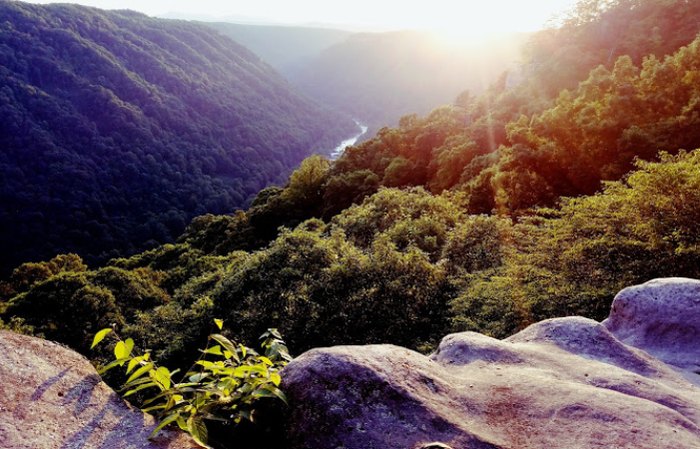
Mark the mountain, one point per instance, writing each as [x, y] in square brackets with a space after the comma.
[553, 130]
[484, 215]
[598, 32]
[118, 128]
[379, 77]
[491, 214]
[286, 48]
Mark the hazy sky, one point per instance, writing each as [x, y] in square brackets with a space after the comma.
[467, 17]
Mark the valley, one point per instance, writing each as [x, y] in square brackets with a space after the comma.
[341, 239]
[338, 151]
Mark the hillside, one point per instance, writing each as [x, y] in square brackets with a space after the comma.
[286, 48]
[379, 77]
[118, 128]
[525, 145]
[543, 197]
[486, 215]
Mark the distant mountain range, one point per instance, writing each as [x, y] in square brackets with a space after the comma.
[286, 48]
[378, 77]
[116, 129]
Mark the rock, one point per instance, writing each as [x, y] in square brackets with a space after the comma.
[662, 317]
[569, 383]
[52, 398]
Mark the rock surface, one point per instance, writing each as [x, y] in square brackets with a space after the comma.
[569, 383]
[52, 398]
[662, 317]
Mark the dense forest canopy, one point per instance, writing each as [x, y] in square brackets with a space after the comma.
[118, 128]
[522, 146]
[486, 215]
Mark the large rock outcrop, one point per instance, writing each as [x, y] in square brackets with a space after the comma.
[569, 383]
[52, 398]
[662, 317]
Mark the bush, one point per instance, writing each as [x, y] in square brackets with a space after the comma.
[224, 384]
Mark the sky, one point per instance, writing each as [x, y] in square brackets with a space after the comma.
[465, 17]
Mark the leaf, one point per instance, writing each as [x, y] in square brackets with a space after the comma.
[219, 323]
[100, 336]
[268, 391]
[276, 379]
[181, 423]
[216, 350]
[162, 376]
[122, 349]
[272, 332]
[226, 343]
[198, 430]
[153, 408]
[139, 388]
[135, 383]
[112, 364]
[260, 369]
[167, 420]
[206, 364]
[129, 345]
[135, 361]
[140, 372]
[197, 377]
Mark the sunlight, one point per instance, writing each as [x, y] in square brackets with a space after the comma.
[467, 23]
[457, 20]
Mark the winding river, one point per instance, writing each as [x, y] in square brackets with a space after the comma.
[338, 151]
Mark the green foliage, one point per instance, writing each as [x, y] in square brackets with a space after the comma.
[574, 260]
[132, 290]
[29, 273]
[224, 384]
[18, 326]
[599, 31]
[320, 289]
[67, 308]
[173, 330]
[528, 142]
[488, 305]
[335, 257]
[405, 267]
[509, 150]
[119, 128]
[410, 217]
[345, 189]
[477, 243]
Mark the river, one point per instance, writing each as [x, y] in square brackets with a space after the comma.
[338, 151]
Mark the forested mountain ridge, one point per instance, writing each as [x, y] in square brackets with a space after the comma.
[118, 128]
[286, 48]
[521, 146]
[599, 31]
[378, 77]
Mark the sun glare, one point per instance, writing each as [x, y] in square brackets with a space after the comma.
[467, 22]
[455, 20]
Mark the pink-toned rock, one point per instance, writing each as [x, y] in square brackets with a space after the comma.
[662, 317]
[568, 383]
[52, 398]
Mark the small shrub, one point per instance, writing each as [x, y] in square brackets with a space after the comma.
[224, 384]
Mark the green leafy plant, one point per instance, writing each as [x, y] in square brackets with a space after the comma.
[224, 384]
